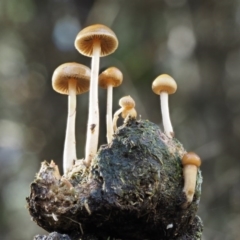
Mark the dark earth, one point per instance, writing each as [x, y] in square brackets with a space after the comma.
[132, 191]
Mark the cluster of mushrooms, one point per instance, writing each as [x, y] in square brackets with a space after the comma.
[73, 78]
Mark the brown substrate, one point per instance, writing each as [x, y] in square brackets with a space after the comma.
[133, 190]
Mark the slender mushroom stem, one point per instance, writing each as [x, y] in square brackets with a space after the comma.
[115, 118]
[70, 141]
[165, 114]
[93, 113]
[109, 114]
[189, 182]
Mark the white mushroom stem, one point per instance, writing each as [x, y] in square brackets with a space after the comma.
[190, 177]
[115, 118]
[69, 154]
[109, 114]
[93, 113]
[165, 115]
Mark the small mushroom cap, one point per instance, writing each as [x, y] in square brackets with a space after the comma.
[191, 158]
[111, 76]
[127, 102]
[85, 40]
[68, 71]
[164, 83]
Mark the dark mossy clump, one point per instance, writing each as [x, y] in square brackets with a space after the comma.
[133, 190]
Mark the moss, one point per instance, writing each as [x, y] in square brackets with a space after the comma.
[133, 190]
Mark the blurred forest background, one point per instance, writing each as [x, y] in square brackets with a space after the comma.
[196, 42]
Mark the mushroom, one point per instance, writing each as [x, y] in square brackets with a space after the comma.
[190, 161]
[111, 77]
[164, 85]
[127, 109]
[94, 41]
[70, 79]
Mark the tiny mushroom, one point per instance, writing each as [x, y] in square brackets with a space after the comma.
[111, 77]
[191, 162]
[70, 79]
[94, 41]
[164, 85]
[127, 110]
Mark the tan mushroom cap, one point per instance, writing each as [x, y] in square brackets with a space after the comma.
[111, 76]
[127, 102]
[68, 71]
[191, 158]
[164, 83]
[85, 40]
